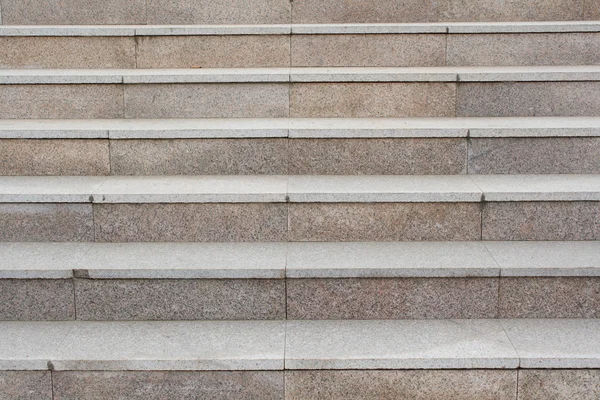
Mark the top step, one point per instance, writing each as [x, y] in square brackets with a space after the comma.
[139, 12]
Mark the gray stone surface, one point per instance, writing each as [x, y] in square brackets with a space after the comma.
[53, 129]
[559, 384]
[558, 343]
[172, 346]
[190, 222]
[73, 12]
[546, 258]
[225, 30]
[549, 297]
[523, 27]
[251, 100]
[36, 300]
[192, 189]
[30, 345]
[389, 260]
[358, 100]
[459, 344]
[40, 260]
[534, 155]
[199, 156]
[420, 156]
[524, 49]
[158, 385]
[541, 221]
[204, 75]
[61, 101]
[239, 12]
[25, 385]
[406, 298]
[390, 385]
[373, 28]
[179, 299]
[384, 222]
[23, 222]
[183, 261]
[379, 189]
[48, 189]
[539, 187]
[544, 73]
[524, 99]
[359, 50]
[54, 157]
[243, 51]
[378, 74]
[67, 52]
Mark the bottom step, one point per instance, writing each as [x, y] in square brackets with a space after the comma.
[433, 359]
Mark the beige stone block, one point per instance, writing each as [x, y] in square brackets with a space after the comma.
[381, 99]
[61, 101]
[54, 157]
[25, 385]
[211, 100]
[27, 222]
[36, 300]
[405, 50]
[199, 156]
[421, 156]
[509, 10]
[206, 222]
[384, 221]
[565, 384]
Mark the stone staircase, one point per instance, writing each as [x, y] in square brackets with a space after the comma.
[268, 199]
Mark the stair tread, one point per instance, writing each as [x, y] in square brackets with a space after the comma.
[301, 74]
[298, 188]
[277, 345]
[298, 260]
[300, 127]
[283, 29]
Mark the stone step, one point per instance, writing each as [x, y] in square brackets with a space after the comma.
[199, 281]
[29, 12]
[301, 92]
[298, 45]
[385, 146]
[482, 359]
[300, 208]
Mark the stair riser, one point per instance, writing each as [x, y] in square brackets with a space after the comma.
[272, 222]
[304, 299]
[280, 156]
[301, 100]
[348, 50]
[137, 12]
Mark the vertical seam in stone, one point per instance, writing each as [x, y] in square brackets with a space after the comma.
[468, 151]
[74, 297]
[52, 384]
[146, 11]
[517, 385]
[136, 50]
[123, 99]
[446, 36]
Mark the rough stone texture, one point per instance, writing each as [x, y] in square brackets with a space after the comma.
[412, 298]
[591, 10]
[25, 385]
[377, 156]
[509, 10]
[36, 300]
[528, 99]
[73, 12]
[67, 52]
[559, 384]
[179, 299]
[207, 222]
[541, 297]
[384, 221]
[216, 100]
[158, 385]
[54, 157]
[207, 12]
[358, 11]
[541, 221]
[567, 155]
[199, 156]
[392, 385]
[242, 51]
[22, 222]
[524, 49]
[61, 101]
[368, 50]
[383, 99]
